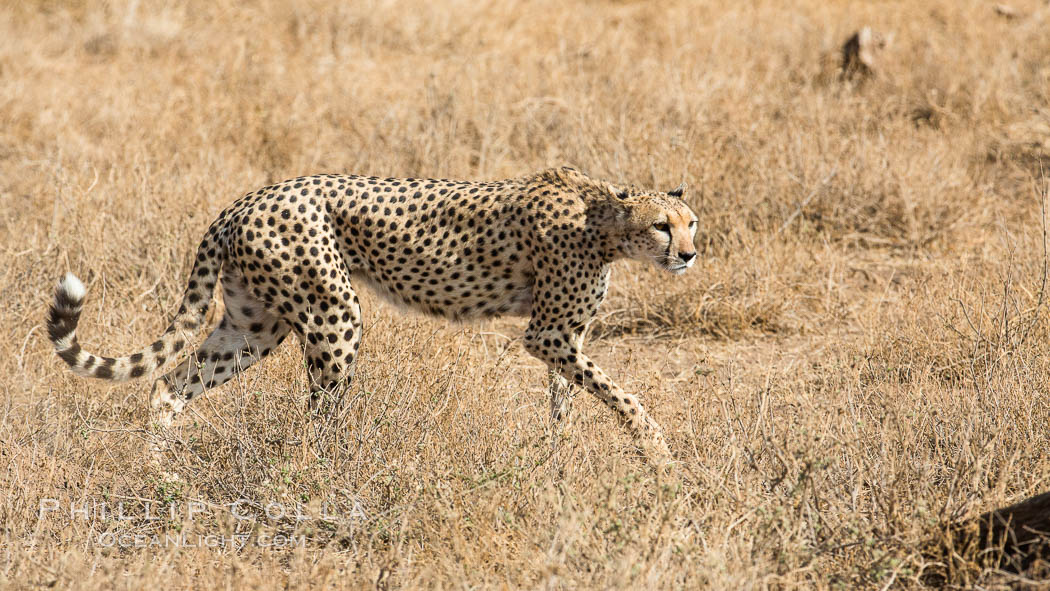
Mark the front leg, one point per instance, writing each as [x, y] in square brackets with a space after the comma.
[556, 348]
[561, 391]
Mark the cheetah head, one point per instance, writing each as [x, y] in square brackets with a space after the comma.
[657, 227]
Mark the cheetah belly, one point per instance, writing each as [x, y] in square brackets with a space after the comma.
[465, 301]
[520, 302]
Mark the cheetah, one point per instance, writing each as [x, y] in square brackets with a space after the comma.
[291, 254]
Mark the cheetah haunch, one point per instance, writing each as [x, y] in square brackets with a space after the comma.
[537, 246]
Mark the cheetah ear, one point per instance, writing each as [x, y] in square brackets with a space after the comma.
[678, 191]
[617, 204]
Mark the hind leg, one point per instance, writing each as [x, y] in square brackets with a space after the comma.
[247, 333]
[330, 343]
[327, 320]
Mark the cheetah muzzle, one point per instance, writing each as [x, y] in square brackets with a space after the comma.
[289, 255]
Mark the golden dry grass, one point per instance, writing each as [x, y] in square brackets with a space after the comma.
[859, 360]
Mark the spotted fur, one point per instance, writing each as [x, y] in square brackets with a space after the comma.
[289, 254]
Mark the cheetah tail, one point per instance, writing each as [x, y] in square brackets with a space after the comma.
[64, 314]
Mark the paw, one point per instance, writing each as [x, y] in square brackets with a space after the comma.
[560, 409]
[659, 453]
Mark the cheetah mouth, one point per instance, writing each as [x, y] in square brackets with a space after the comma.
[678, 269]
[672, 264]
[675, 266]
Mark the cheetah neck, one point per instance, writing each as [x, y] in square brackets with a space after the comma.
[605, 220]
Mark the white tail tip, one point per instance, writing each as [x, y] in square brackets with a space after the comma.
[73, 287]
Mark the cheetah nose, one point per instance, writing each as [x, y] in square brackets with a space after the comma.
[686, 256]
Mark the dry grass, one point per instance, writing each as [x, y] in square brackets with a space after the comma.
[859, 360]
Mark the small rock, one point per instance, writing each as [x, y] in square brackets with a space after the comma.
[1007, 11]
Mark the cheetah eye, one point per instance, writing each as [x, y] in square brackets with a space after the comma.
[662, 227]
